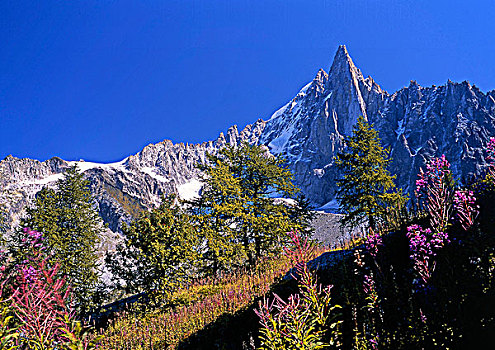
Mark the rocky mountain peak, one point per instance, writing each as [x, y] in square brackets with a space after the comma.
[321, 76]
[346, 86]
[343, 67]
[415, 123]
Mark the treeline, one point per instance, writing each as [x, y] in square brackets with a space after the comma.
[419, 276]
[233, 224]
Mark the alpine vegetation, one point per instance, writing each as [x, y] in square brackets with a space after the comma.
[214, 244]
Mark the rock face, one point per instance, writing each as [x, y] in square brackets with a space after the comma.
[124, 188]
[416, 123]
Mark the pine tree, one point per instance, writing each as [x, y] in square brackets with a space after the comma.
[71, 228]
[237, 216]
[366, 188]
[159, 253]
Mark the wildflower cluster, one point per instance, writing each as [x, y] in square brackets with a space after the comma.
[34, 238]
[36, 312]
[373, 240]
[370, 291]
[423, 245]
[466, 209]
[306, 320]
[435, 187]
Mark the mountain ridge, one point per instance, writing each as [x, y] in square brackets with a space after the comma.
[415, 123]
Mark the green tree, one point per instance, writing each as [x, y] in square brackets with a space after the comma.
[71, 228]
[237, 217]
[366, 187]
[159, 252]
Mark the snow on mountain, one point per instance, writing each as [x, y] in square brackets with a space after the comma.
[415, 123]
[189, 190]
[124, 188]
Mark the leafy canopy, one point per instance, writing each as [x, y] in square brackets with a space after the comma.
[237, 217]
[159, 252]
[71, 228]
[366, 188]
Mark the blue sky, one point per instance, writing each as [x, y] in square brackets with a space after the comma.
[100, 79]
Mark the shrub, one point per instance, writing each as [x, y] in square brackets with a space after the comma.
[307, 320]
[36, 302]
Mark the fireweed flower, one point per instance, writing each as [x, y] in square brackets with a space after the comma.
[370, 291]
[436, 170]
[423, 245]
[29, 274]
[434, 188]
[466, 209]
[421, 182]
[422, 316]
[420, 250]
[372, 242]
[34, 238]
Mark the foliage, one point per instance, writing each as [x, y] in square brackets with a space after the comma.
[366, 187]
[237, 217]
[35, 303]
[77, 337]
[159, 253]
[303, 321]
[3, 212]
[8, 332]
[71, 229]
[202, 303]
[426, 283]
[8, 328]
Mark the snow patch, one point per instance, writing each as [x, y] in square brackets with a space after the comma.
[190, 190]
[151, 172]
[83, 166]
[288, 201]
[328, 96]
[303, 91]
[291, 103]
[416, 151]
[279, 111]
[277, 145]
[401, 128]
[332, 206]
[319, 172]
[44, 181]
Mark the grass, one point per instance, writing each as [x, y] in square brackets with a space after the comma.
[200, 304]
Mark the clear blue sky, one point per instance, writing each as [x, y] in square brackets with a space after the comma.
[100, 79]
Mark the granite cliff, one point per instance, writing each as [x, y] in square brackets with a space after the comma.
[416, 123]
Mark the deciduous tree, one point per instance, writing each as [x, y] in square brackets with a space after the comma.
[159, 252]
[237, 216]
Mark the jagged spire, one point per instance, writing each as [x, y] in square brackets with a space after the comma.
[346, 83]
[343, 65]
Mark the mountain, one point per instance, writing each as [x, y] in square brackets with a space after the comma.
[416, 123]
[124, 188]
